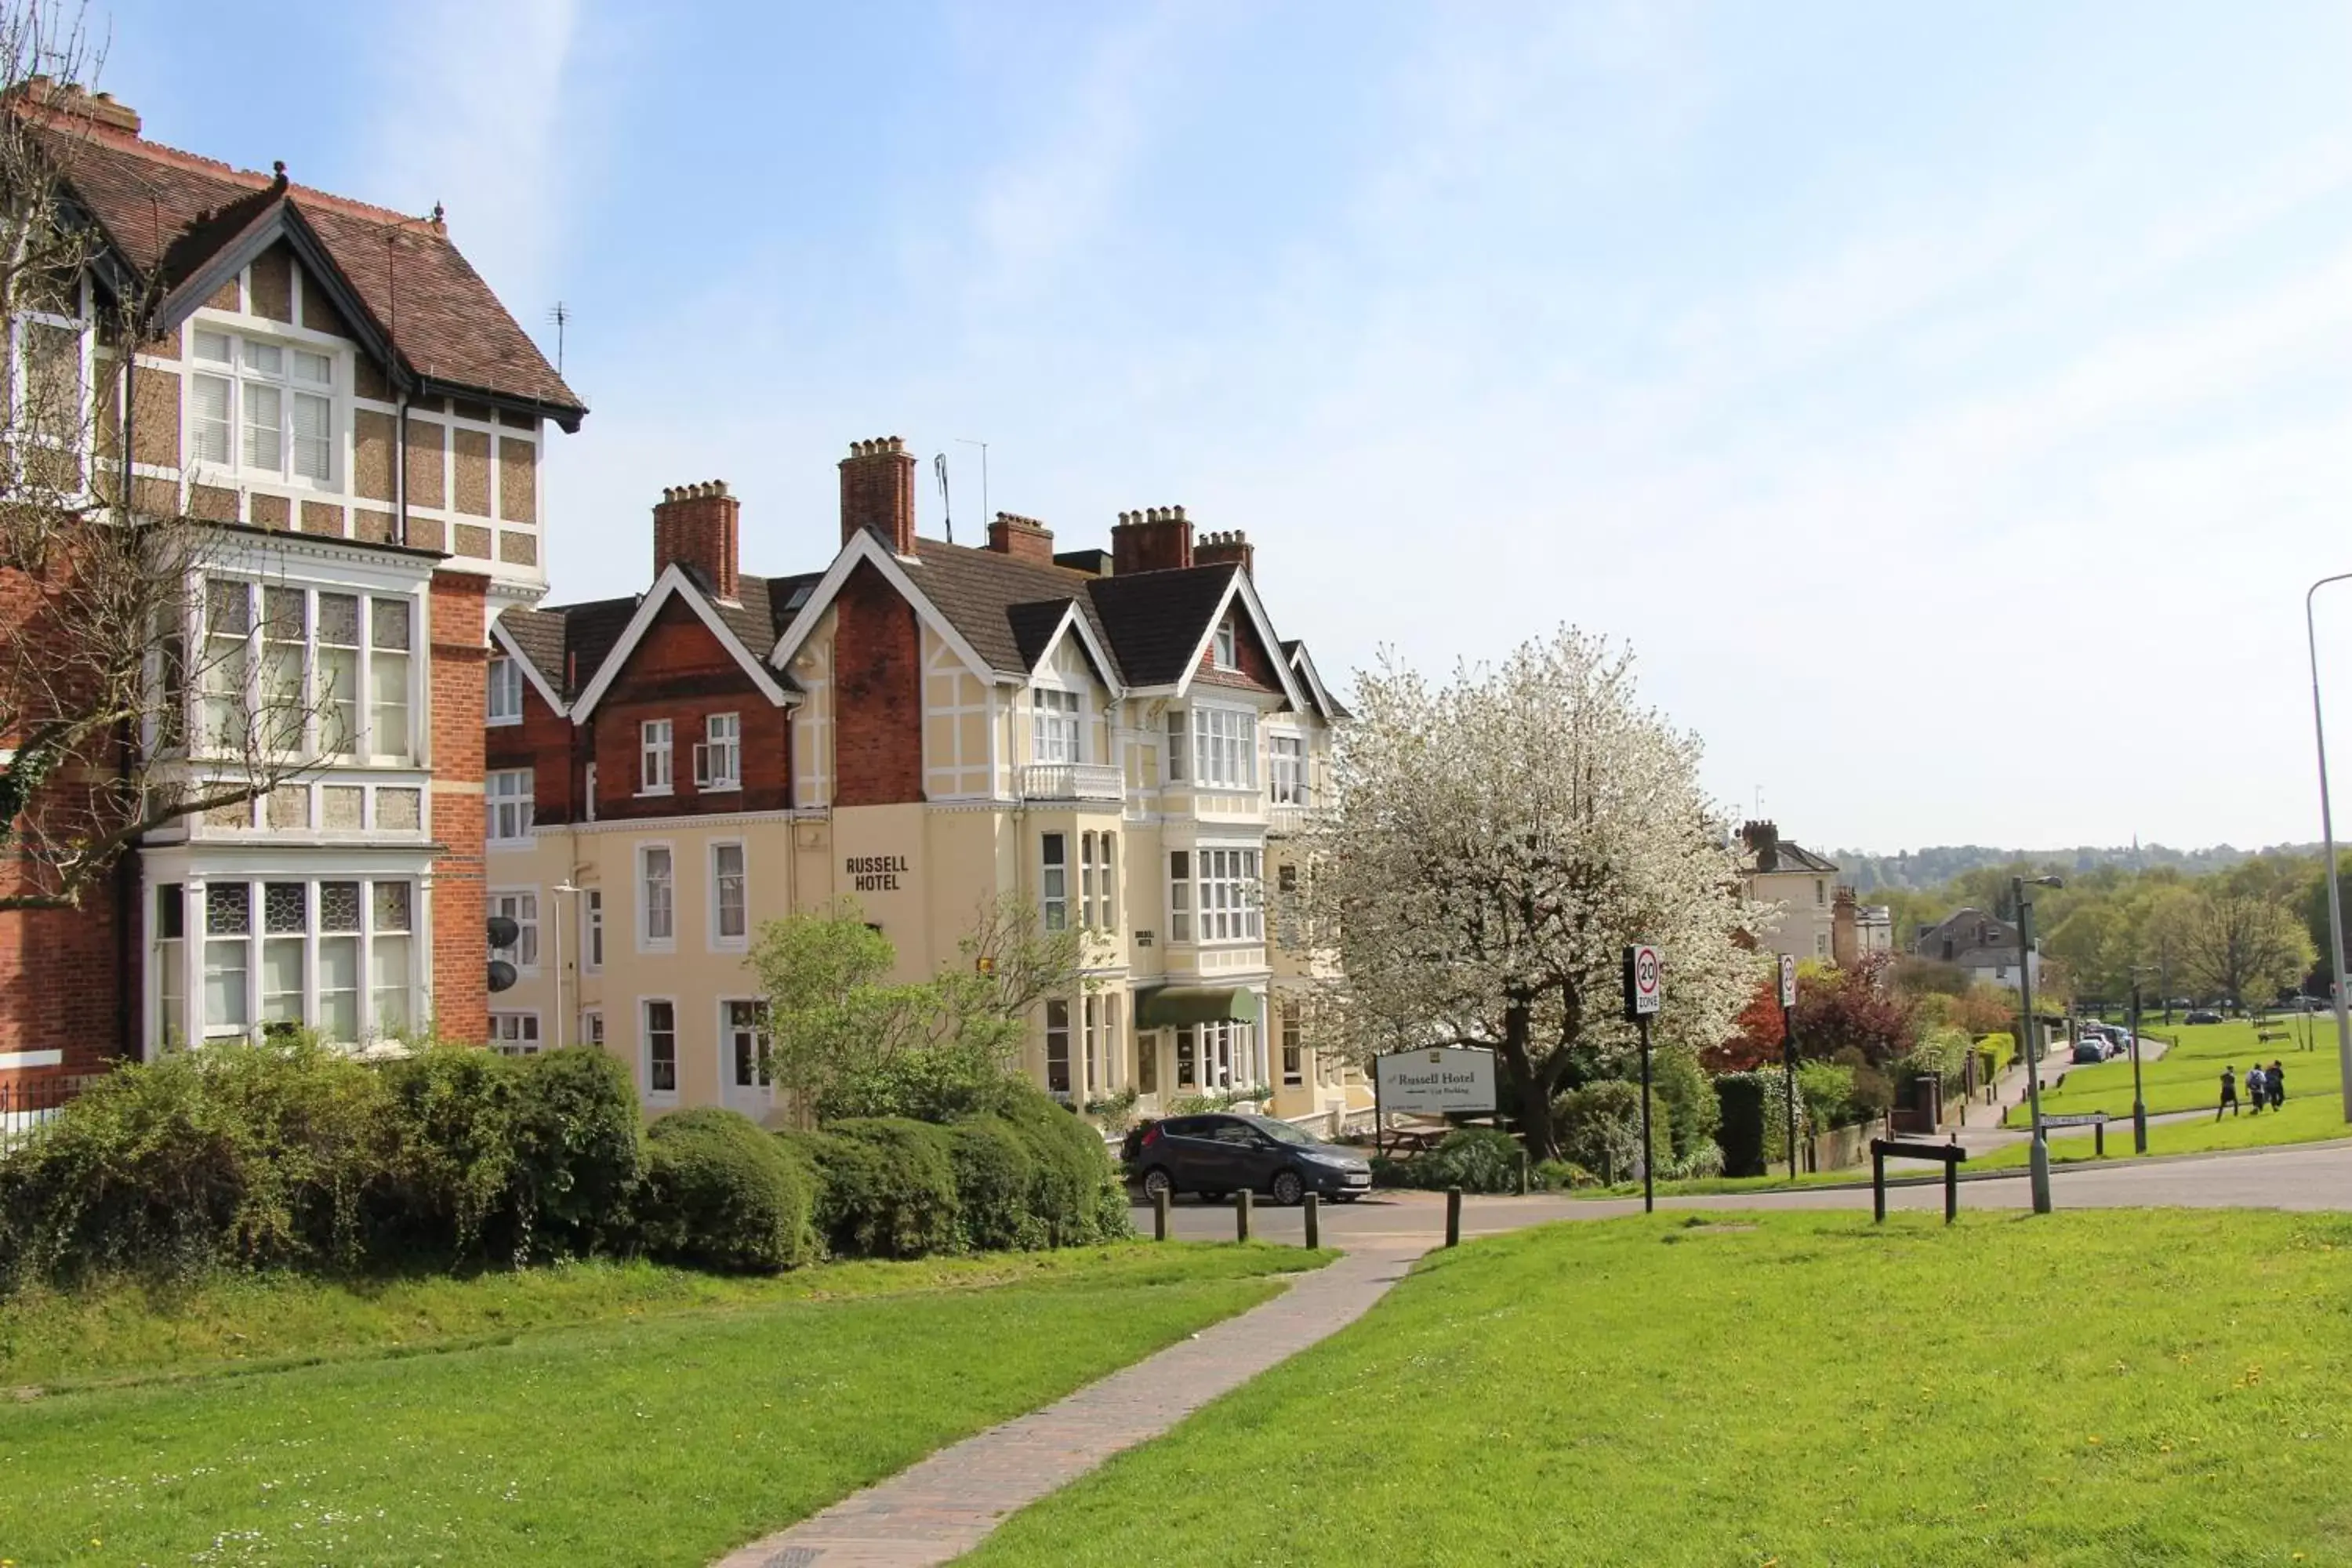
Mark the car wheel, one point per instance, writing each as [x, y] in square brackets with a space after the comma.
[1156, 1182]
[1288, 1188]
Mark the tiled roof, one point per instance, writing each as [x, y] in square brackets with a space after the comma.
[978, 590]
[1157, 619]
[566, 640]
[166, 212]
[538, 636]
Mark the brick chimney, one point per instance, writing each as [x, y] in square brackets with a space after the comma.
[1763, 841]
[1158, 539]
[1219, 549]
[697, 526]
[69, 99]
[1021, 538]
[1845, 946]
[877, 493]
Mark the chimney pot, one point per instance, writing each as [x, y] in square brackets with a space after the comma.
[1152, 539]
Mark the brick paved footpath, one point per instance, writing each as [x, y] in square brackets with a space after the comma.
[947, 1504]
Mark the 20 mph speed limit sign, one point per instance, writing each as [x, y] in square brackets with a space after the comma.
[1788, 980]
[1643, 990]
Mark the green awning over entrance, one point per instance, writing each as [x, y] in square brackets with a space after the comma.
[1171, 1007]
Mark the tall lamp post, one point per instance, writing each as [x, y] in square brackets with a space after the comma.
[2327, 838]
[2139, 1104]
[2038, 1155]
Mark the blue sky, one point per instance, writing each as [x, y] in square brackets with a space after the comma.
[1948, 405]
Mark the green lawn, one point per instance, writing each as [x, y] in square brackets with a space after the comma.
[2189, 1075]
[2082, 1390]
[2308, 1120]
[612, 1415]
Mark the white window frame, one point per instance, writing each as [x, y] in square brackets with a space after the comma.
[718, 755]
[241, 380]
[1057, 725]
[1226, 648]
[1228, 883]
[21, 378]
[210, 656]
[1224, 747]
[514, 1032]
[588, 791]
[1054, 880]
[1180, 895]
[646, 940]
[592, 1027]
[720, 940]
[1286, 768]
[645, 1031]
[507, 800]
[502, 691]
[591, 930]
[198, 940]
[656, 744]
[527, 931]
[1294, 1045]
[1058, 1034]
[730, 1030]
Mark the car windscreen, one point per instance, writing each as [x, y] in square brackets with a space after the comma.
[1281, 1131]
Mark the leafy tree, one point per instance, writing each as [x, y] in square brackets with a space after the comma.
[848, 1041]
[1853, 1009]
[2240, 946]
[1756, 1035]
[1497, 842]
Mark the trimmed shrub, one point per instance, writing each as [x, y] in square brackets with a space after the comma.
[1560, 1176]
[1685, 1096]
[995, 1177]
[720, 1193]
[1599, 1127]
[1741, 1096]
[580, 1150]
[238, 1154]
[1995, 1052]
[1826, 1090]
[449, 1147]
[1476, 1159]
[888, 1187]
[1075, 1191]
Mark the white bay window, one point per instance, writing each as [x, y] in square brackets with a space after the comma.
[334, 956]
[262, 410]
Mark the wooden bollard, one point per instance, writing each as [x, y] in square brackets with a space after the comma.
[1523, 1173]
[1314, 1227]
[1241, 1214]
[1160, 1214]
[1454, 1216]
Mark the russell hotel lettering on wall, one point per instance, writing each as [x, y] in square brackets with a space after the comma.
[874, 873]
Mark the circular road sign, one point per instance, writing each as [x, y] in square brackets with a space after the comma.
[1645, 979]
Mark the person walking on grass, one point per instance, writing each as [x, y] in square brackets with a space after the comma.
[2275, 1085]
[2255, 1089]
[2229, 1092]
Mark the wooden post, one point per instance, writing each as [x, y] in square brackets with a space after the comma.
[1241, 1214]
[2099, 1138]
[1160, 1214]
[1951, 1190]
[1878, 1183]
[1454, 1216]
[1314, 1228]
[1523, 1173]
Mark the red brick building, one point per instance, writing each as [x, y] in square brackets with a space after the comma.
[334, 390]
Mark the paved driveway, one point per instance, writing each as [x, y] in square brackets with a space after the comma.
[2316, 1177]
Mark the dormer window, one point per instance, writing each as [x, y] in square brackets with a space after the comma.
[1225, 655]
[262, 410]
[505, 692]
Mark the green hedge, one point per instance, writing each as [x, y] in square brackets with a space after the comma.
[994, 1175]
[722, 1194]
[1599, 1127]
[1742, 1095]
[887, 1186]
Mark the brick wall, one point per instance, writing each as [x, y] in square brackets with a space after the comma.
[460, 946]
[542, 743]
[877, 736]
[681, 672]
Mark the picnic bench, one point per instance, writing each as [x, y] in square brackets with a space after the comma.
[1415, 1140]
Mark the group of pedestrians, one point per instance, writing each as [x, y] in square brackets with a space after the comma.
[2265, 1086]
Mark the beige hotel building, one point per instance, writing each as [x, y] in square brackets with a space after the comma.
[1118, 735]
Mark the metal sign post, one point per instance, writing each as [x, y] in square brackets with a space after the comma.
[1643, 993]
[1788, 1050]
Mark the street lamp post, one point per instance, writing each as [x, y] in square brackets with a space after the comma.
[2139, 1105]
[2328, 839]
[2038, 1154]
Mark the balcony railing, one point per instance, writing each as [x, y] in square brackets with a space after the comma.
[27, 1102]
[1287, 819]
[1071, 781]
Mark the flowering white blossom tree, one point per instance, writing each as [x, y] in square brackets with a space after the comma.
[1495, 844]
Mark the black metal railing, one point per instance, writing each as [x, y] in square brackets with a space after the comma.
[28, 1100]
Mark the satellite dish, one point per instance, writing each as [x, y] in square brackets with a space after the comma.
[503, 975]
[504, 932]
